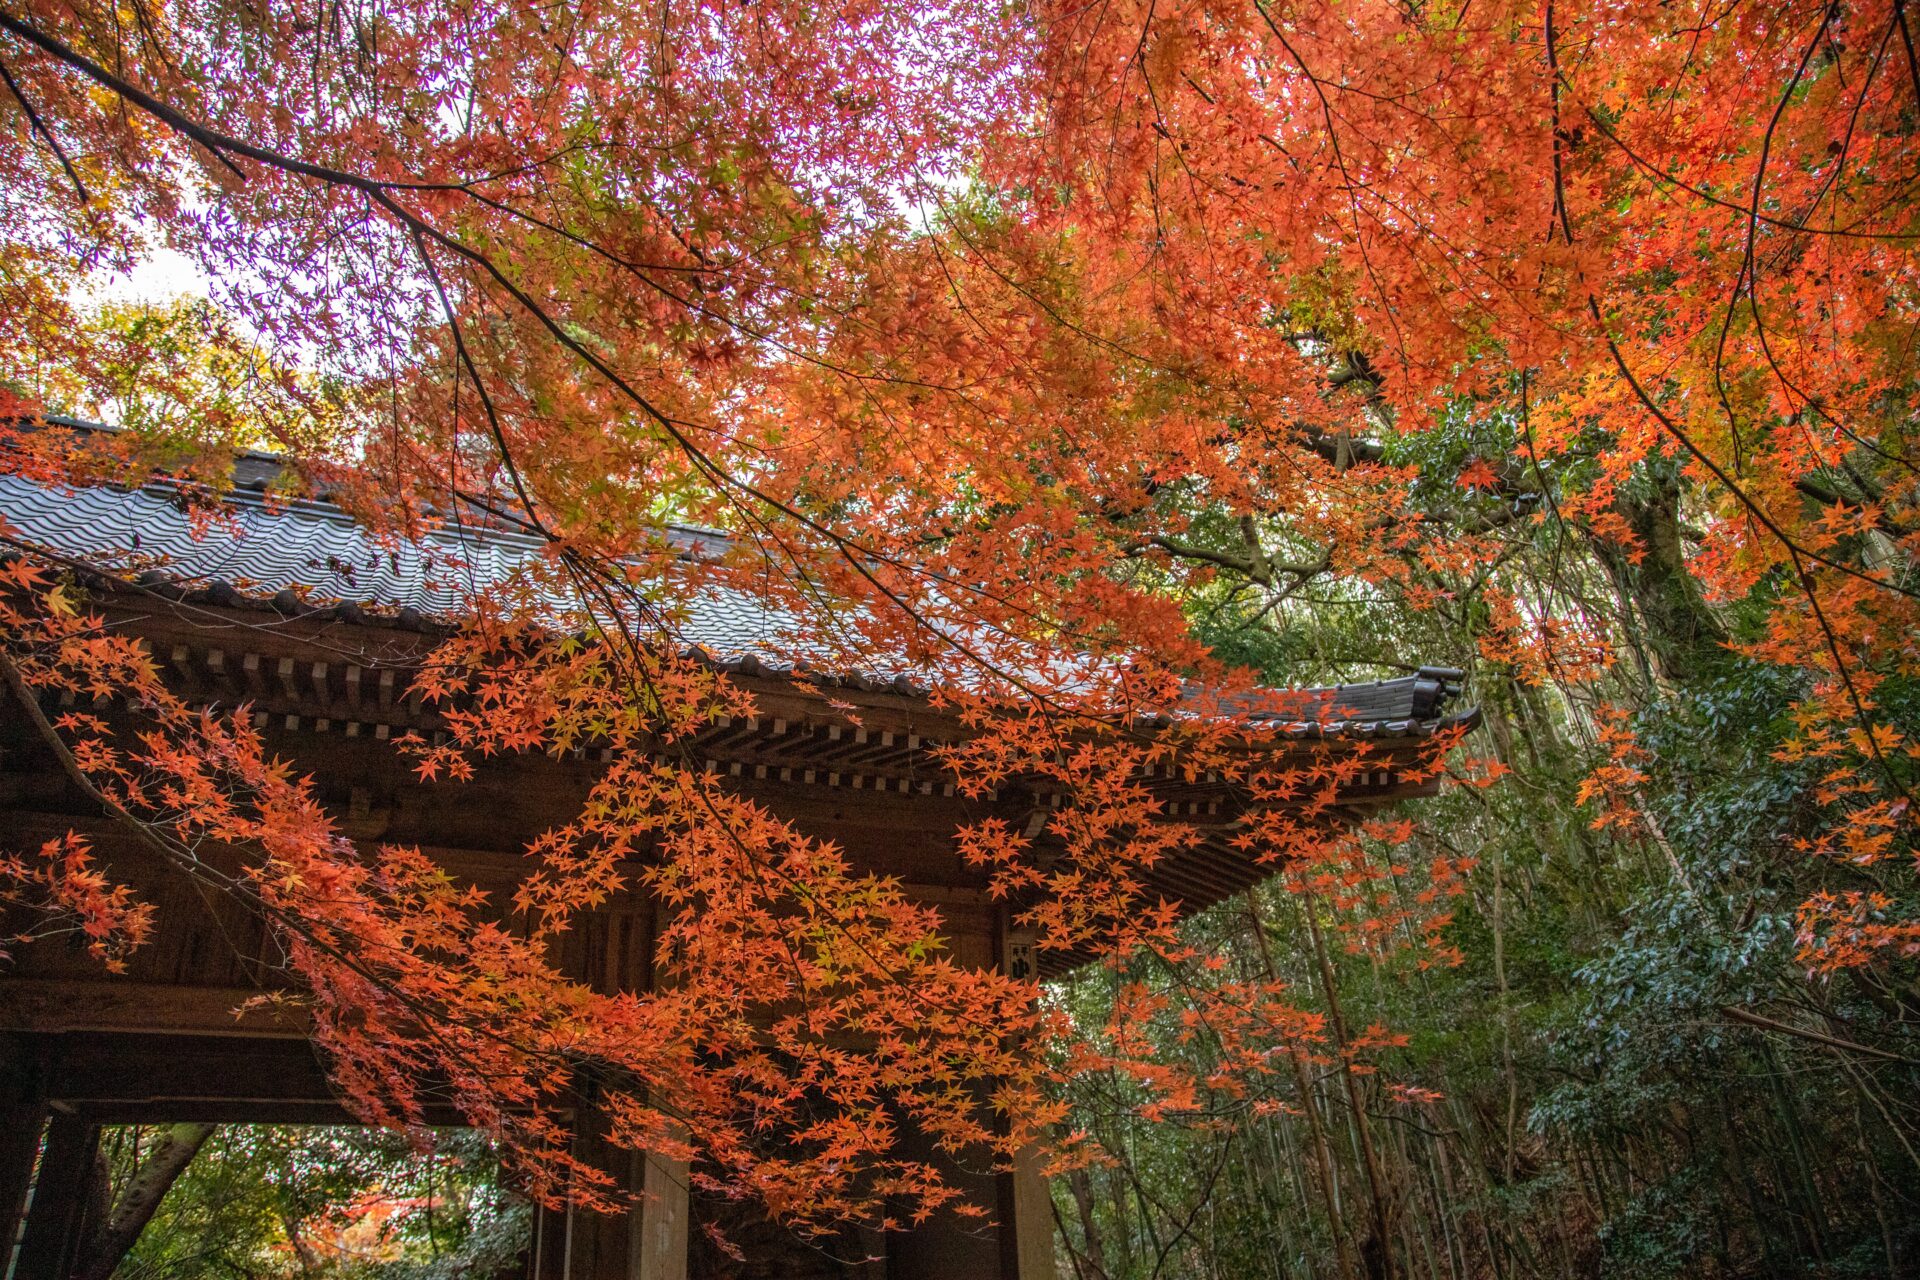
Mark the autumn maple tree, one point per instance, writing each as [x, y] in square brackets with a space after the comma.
[991, 334]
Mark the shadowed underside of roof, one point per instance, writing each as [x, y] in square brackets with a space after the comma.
[261, 552]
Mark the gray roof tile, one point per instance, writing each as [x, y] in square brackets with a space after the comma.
[259, 552]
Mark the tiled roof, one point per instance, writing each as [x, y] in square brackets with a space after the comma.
[260, 552]
[260, 549]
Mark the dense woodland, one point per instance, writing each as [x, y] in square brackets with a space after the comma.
[1088, 356]
[1639, 1076]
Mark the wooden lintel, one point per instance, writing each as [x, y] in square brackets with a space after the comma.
[173, 1073]
[49, 1005]
[247, 1111]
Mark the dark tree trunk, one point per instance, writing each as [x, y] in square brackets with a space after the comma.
[1680, 631]
[109, 1240]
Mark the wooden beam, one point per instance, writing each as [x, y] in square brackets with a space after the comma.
[49, 1005]
[174, 1074]
[251, 1111]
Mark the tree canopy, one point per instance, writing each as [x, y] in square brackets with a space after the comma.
[1088, 360]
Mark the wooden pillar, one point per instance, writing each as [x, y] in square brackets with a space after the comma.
[21, 1125]
[50, 1244]
[948, 1246]
[1029, 1255]
[1032, 1226]
[659, 1222]
[547, 1250]
[649, 1242]
[23, 1119]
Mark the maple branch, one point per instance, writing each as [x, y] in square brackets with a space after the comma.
[1559, 131]
[480, 389]
[76, 773]
[1257, 563]
[39, 126]
[1681, 436]
[1828, 496]
[639, 270]
[185, 860]
[1906, 41]
[1794, 550]
[1654, 171]
[1348, 184]
[1751, 212]
[1747, 279]
[1740, 495]
[852, 552]
[1255, 566]
[1344, 449]
[598, 582]
[759, 865]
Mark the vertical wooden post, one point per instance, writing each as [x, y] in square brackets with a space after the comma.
[1031, 1204]
[23, 1118]
[547, 1250]
[50, 1244]
[1032, 1220]
[613, 952]
[21, 1124]
[659, 1222]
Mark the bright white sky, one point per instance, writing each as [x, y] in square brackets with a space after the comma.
[159, 277]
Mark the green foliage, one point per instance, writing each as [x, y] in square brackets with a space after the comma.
[1608, 1110]
[261, 1202]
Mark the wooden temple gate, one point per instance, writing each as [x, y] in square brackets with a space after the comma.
[330, 688]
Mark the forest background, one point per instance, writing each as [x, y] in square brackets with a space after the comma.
[1229, 342]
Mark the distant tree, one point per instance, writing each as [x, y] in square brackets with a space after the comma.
[314, 1202]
